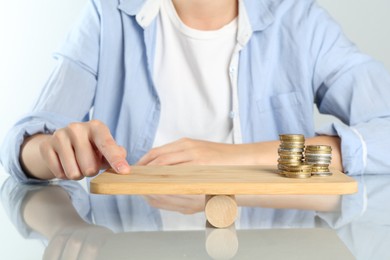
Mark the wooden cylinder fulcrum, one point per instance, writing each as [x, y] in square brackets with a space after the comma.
[221, 210]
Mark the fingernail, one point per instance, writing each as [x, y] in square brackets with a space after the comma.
[122, 168]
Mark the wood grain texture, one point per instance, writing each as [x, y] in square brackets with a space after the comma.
[221, 210]
[218, 180]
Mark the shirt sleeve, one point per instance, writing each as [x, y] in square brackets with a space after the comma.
[67, 96]
[355, 88]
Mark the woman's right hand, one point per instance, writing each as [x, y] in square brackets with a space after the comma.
[74, 152]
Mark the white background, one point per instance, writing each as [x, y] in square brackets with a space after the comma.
[31, 30]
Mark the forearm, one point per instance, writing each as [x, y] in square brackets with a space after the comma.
[31, 159]
[197, 152]
[267, 152]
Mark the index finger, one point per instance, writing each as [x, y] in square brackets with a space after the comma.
[112, 152]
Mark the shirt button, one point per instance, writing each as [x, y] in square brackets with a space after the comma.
[232, 114]
[232, 70]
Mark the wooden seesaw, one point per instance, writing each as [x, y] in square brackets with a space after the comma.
[220, 184]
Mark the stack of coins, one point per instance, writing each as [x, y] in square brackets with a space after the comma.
[302, 171]
[291, 156]
[319, 156]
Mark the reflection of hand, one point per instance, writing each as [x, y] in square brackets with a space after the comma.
[77, 243]
[185, 204]
[190, 151]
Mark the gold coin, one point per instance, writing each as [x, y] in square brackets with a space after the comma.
[322, 162]
[288, 156]
[307, 171]
[292, 155]
[297, 176]
[318, 155]
[292, 141]
[320, 168]
[322, 174]
[283, 167]
[283, 137]
[291, 146]
[318, 148]
[295, 150]
[289, 164]
[290, 161]
[302, 166]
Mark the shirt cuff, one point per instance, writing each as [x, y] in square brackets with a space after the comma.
[353, 147]
[35, 123]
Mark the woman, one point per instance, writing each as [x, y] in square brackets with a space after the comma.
[201, 82]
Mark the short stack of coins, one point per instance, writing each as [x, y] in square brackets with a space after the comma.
[290, 162]
[320, 157]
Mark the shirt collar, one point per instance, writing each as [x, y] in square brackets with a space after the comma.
[143, 10]
[258, 14]
[131, 7]
[254, 15]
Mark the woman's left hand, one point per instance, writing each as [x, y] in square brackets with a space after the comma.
[196, 152]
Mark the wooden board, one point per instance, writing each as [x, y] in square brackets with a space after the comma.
[218, 180]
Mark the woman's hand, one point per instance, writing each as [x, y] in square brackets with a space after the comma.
[76, 151]
[196, 152]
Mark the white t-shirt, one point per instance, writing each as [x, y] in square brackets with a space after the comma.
[191, 75]
[192, 79]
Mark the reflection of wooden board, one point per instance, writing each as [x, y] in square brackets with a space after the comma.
[218, 180]
[286, 243]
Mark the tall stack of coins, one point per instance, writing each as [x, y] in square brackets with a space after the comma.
[319, 156]
[291, 156]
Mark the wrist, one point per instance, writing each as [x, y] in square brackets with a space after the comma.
[30, 157]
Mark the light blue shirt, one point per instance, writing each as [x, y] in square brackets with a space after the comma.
[296, 56]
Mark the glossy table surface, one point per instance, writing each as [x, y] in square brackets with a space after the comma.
[62, 220]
